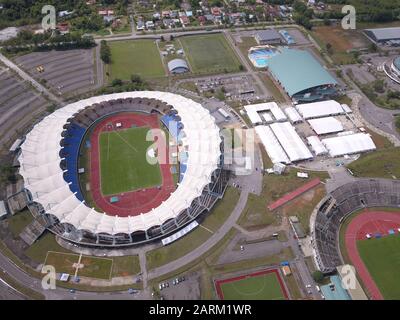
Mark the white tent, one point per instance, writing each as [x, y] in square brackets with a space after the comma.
[271, 145]
[43, 177]
[325, 125]
[348, 144]
[253, 111]
[293, 115]
[316, 145]
[320, 109]
[291, 141]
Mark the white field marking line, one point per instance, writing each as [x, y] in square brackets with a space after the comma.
[132, 147]
[77, 265]
[108, 146]
[206, 228]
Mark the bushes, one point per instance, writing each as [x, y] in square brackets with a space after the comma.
[105, 52]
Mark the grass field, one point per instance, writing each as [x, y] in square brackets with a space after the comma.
[123, 163]
[209, 54]
[94, 267]
[383, 163]
[260, 287]
[382, 259]
[134, 57]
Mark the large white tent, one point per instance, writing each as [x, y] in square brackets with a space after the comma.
[290, 141]
[317, 145]
[320, 109]
[43, 176]
[349, 144]
[293, 115]
[271, 145]
[253, 112]
[325, 125]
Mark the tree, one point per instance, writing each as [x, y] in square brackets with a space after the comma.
[318, 276]
[135, 78]
[329, 48]
[116, 82]
[105, 52]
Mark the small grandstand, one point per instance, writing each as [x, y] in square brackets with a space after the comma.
[49, 166]
[343, 201]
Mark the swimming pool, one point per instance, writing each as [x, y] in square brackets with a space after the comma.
[259, 57]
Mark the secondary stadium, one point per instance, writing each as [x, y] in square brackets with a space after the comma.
[359, 223]
[87, 175]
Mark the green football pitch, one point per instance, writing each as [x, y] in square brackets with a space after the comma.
[210, 54]
[123, 163]
[260, 287]
[135, 57]
[382, 259]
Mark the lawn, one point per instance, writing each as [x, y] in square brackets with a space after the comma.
[123, 163]
[260, 287]
[208, 54]
[382, 259]
[383, 163]
[256, 214]
[134, 57]
[18, 222]
[93, 267]
[213, 221]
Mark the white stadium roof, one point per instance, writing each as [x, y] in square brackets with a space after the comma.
[348, 144]
[290, 141]
[40, 166]
[271, 144]
[325, 125]
[320, 109]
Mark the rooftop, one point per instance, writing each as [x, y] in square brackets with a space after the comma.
[298, 70]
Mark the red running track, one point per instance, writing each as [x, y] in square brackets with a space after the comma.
[219, 283]
[294, 194]
[372, 222]
[134, 202]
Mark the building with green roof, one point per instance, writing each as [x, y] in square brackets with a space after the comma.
[301, 75]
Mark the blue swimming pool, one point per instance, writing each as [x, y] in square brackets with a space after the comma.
[260, 57]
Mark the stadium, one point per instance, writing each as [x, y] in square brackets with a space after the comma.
[392, 69]
[366, 208]
[124, 199]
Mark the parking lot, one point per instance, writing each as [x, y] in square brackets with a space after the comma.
[18, 105]
[186, 288]
[64, 72]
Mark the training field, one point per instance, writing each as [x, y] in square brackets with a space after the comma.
[123, 163]
[382, 259]
[210, 54]
[135, 57]
[264, 285]
[93, 267]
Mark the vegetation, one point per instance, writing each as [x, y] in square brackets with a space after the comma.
[318, 276]
[105, 52]
[123, 165]
[18, 222]
[208, 54]
[212, 222]
[381, 257]
[140, 57]
[26, 41]
[383, 163]
[261, 287]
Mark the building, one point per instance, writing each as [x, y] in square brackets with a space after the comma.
[178, 66]
[301, 75]
[269, 36]
[390, 36]
[334, 290]
[53, 192]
